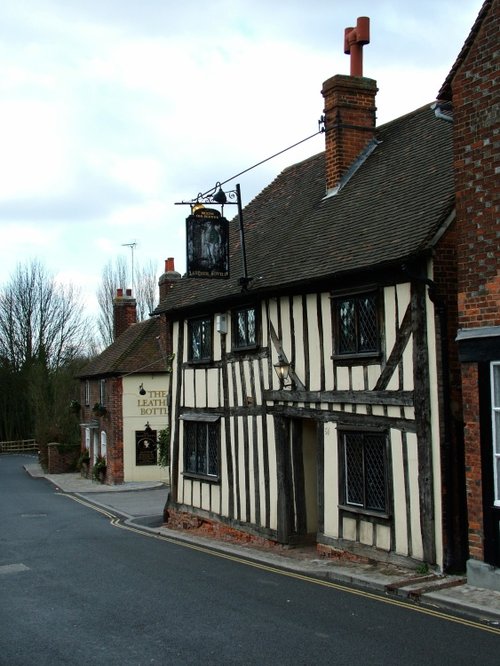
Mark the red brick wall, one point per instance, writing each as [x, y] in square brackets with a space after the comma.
[473, 459]
[114, 431]
[476, 88]
[111, 423]
[124, 312]
[61, 459]
[475, 91]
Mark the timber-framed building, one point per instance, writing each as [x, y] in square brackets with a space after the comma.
[351, 255]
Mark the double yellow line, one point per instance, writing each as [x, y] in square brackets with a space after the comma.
[117, 522]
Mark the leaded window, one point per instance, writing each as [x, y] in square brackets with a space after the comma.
[201, 448]
[356, 319]
[365, 470]
[244, 328]
[200, 339]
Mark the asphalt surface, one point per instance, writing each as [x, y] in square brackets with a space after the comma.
[79, 586]
[141, 505]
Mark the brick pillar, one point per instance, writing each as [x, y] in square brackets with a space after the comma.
[124, 312]
[349, 122]
[165, 283]
[474, 487]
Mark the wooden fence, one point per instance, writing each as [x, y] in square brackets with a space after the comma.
[19, 446]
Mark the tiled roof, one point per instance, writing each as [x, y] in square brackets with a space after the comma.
[445, 92]
[388, 212]
[136, 350]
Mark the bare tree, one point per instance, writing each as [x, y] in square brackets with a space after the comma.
[116, 276]
[146, 284]
[43, 332]
[40, 319]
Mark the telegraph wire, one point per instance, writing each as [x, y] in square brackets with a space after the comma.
[320, 131]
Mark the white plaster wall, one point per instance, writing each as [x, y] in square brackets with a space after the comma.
[273, 484]
[241, 466]
[251, 471]
[342, 378]
[436, 441]
[200, 383]
[188, 388]
[389, 318]
[224, 487]
[331, 480]
[137, 411]
[416, 532]
[213, 397]
[298, 323]
[326, 312]
[315, 359]
[398, 482]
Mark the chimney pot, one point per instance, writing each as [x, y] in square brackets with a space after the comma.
[354, 40]
[168, 278]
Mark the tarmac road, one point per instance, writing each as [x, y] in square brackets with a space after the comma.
[77, 590]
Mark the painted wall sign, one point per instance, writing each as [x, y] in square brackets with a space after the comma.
[145, 447]
[207, 240]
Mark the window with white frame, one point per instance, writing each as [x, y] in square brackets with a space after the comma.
[87, 392]
[104, 444]
[102, 391]
[364, 457]
[495, 428]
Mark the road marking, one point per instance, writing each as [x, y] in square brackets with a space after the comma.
[33, 515]
[408, 605]
[13, 568]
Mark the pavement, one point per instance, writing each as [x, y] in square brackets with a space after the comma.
[141, 504]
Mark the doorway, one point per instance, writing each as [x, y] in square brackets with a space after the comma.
[297, 462]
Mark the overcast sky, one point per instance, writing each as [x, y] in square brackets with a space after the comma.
[113, 110]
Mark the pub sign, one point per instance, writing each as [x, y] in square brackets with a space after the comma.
[207, 239]
[145, 447]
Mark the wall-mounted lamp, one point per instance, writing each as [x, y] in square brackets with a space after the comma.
[282, 368]
[142, 390]
[147, 430]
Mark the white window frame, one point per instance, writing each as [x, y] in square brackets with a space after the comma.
[87, 392]
[495, 430]
[102, 392]
[104, 444]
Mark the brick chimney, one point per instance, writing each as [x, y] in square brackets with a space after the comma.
[124, 312]
[349, 113]
[165, 283]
